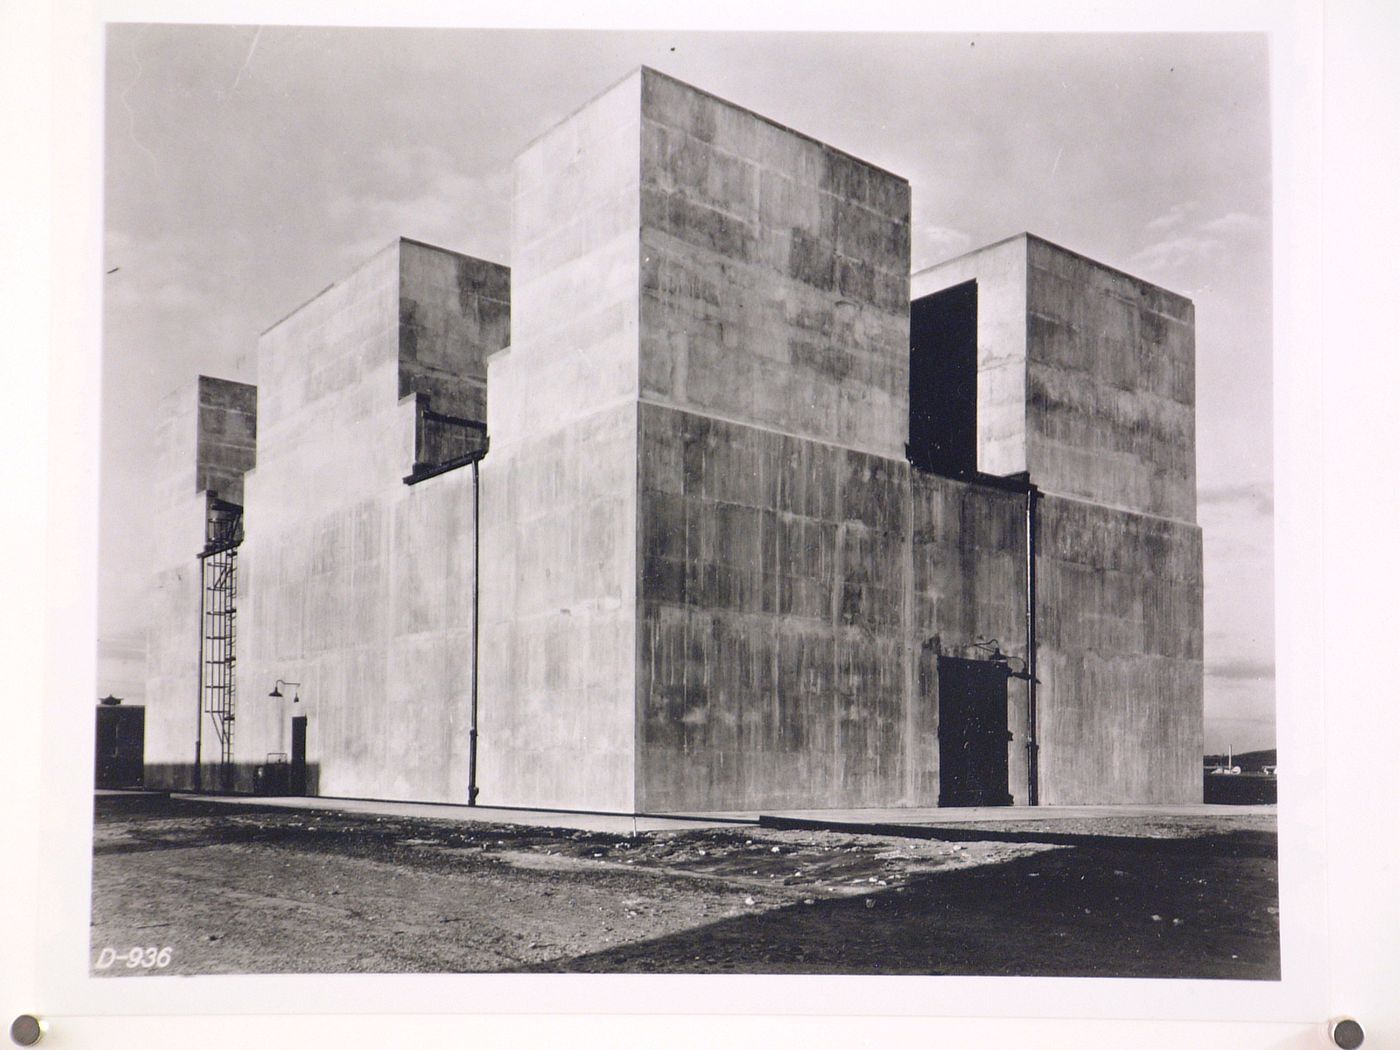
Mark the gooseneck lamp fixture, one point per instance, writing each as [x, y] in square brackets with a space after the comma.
[276, 693]
[993, 650]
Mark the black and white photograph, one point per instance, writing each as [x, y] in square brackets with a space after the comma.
[801, 517]
[672, 502]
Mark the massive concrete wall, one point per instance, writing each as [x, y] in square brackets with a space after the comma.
[1120, 656]
[1085, 376]
[772, 650]
[172, 634]
[709, 578]
[227, 437]
[775, 275]
[795, 597]
[1111, 386]
[559, 488]
[774, 380]
[352, 583]
[204, 444]
[797, 590]
[968, 584]
[453, 312]
[1095, 371]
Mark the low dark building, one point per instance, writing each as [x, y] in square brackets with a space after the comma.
[121, 743]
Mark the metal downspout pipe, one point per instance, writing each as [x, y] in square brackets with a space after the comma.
[1032, 734]
[199, 691]
[422, 472]
[476, 628]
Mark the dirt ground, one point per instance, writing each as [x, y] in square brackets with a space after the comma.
[264, 890]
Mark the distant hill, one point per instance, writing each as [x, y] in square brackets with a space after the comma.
[1248, 761]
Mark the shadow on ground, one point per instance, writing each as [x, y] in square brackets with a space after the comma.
[1197, 908]
[352, 893]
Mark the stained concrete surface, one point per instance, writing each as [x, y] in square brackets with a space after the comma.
[559, 487]
[1111, 386]
[350, 582]
[454, 312]
[775, 274]
[205, 433]
[1121, 656]
[796, 583]
[227, 437]
[1103, 367]
[709, 577]
[1086, 375]
[771, 665]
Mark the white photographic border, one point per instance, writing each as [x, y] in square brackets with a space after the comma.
[1335, 508]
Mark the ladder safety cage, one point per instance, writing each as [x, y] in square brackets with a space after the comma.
[218, 615]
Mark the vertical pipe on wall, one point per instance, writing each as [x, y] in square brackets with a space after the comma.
[476, 630]
[1032, 736]
[199, 691]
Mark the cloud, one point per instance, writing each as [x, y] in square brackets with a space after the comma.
[121, 665]
[1239, 710]
[168, 294]
[1235, 222]
[1193, 243]
[158, 272]
[464, 212]
[1176, 252]
[933, 243]
[1175, 216]
[1241, 734]
[1244, 496]
[123, 645]
[1241, 670]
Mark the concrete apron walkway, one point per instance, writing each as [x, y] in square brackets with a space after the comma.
[988, 814]
[1024, 823]
[615, 823]
[912, 822]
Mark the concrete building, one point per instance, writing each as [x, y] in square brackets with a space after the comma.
[704, 504]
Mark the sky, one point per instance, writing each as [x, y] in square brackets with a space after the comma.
[247, 168]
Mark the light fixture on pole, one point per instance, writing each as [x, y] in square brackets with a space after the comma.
[276, 693]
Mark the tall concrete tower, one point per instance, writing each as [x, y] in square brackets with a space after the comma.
[710, 310]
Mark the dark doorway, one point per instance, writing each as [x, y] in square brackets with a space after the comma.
[972, 733]
[943, 381]
[121, 746]
[297, 775]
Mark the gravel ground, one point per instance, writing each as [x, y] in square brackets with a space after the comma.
[263, 890]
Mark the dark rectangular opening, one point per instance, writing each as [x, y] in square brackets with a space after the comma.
[121, 746]
[943, 381]
[297, 775]
[973, 759]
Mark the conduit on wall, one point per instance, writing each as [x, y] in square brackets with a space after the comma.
[423, 473]
[1032, 735]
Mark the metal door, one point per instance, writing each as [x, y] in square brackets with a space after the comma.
[297, 775]
[972, 733]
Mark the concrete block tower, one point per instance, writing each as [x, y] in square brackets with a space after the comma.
[711, 310]
[1085, 381]
[355, 585]
[320, 566]
[206, 440]
[752, 532]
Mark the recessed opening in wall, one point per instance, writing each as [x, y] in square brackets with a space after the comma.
[943, 381]
[972, 733]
